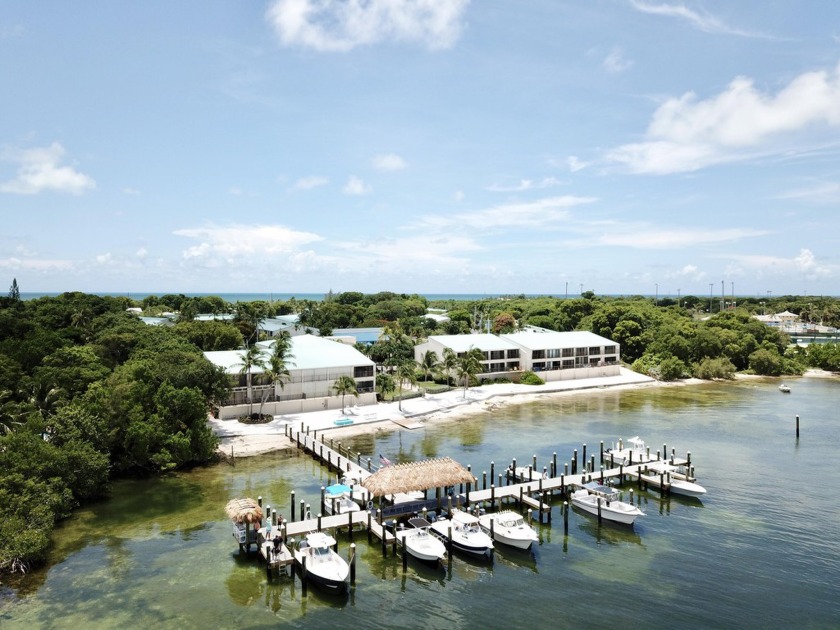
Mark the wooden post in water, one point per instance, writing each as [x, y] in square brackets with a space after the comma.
[592, 465]
[302, 510]
[303, 575]
[534, 461]
[323, 501]
[554, 464]
[404, 555]
[566, 517]
[599, 510]
[292, 510]
[565, 468]
[353, 563]
[797, 427]
[492, 529]
[370, 529]
[602, 451]
[512, 471]
[563, 486]
[368, 464]
[688, 460]
[492, 496]
[319, 521]
[583, 459]
[492, 471]
[574, 463]
[350, 525]
[484, 480]
[449, 538]
[394, 543]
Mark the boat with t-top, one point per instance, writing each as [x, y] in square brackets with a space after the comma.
[605, 502]
[466, 533]
[419, 542]
[509, 528]
[321, 564]
[675, 478]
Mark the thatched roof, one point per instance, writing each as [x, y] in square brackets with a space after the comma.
[432, 473]
[244, 511]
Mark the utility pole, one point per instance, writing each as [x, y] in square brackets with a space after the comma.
[679, 301]
[711, 295]
[567, 289]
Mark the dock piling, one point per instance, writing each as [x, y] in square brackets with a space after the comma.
[353, 564]
[797, 427]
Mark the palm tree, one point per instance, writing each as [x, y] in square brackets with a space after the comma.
[251, 359]
[429, 363]
[10, 413]
[386, 385]
[469, 364]
[449, 363]
[277, 369]
[345, 385]
[406, 373]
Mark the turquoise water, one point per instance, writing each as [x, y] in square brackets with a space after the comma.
[759, 551]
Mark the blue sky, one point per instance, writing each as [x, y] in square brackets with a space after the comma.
[430, 146]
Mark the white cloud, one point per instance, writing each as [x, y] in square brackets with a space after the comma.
[355, 186]
[524, 215]
[432, 253]
[641, 237]
[235, 243]
[308, 183]
[141, 253]
[388, 162]
[703, 21]
[341, 25]
[104, 259]
[458, 196]
[36, 264]
[686, 134]
[574, 164]
[803, 264]
[526, 184]
[688, 272]
[39, 170]
[616, 62]
[827, 192]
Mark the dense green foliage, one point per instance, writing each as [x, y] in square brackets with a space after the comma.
[89, 391]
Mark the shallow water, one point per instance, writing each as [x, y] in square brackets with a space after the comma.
[759, 550]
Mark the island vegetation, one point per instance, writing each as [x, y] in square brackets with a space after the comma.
[89, 391]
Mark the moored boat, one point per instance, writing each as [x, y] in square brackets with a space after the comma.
[466, 533]
[509, 528]
[420, 543]
[597, 499]
[337, 499]
[785, 389]
[324, 566]
[631, 452]
[675, 477]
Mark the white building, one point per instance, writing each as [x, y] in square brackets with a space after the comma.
[314, 367]
[554, 355]
[500, 355]
[566, 355]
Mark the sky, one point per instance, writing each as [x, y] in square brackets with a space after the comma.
[656, 147]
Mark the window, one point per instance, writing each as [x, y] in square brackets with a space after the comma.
[568, 363]
[609, 349]
[497, 354]
[594, 350]
[568, 352]
[552, 353]
[538, 354]
[513, 354]
[360, 371]
[581, 352]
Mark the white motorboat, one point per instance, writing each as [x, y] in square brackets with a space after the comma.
[466, 533]
[785, 389]
[509, 528]
[631, 452]
[594, 498]
[337, 499]
[658, 473]
[324, 566]
[420, 543]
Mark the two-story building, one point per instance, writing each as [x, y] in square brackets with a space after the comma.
[314, 366]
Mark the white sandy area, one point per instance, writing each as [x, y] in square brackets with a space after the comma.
[253, 439]
[244, 440]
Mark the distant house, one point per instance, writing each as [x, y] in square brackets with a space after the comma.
[271, 326]
[316, 365]
[366, 336]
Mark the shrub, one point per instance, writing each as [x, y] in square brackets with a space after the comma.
[529, 378]
[672, 369]
[709, 369]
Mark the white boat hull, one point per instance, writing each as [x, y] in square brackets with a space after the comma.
[422, 545]
[466, 534]
[324, 566]
[520, 535]
[616, 511]
[677, 486]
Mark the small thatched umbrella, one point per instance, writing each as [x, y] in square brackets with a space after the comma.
[245, 511]
[432, 473]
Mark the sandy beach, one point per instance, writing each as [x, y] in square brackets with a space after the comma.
[243, 440]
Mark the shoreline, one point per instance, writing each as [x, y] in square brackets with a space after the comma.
[249, 440]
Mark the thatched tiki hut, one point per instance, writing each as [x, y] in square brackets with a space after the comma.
[244, 513]
[431, 473]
